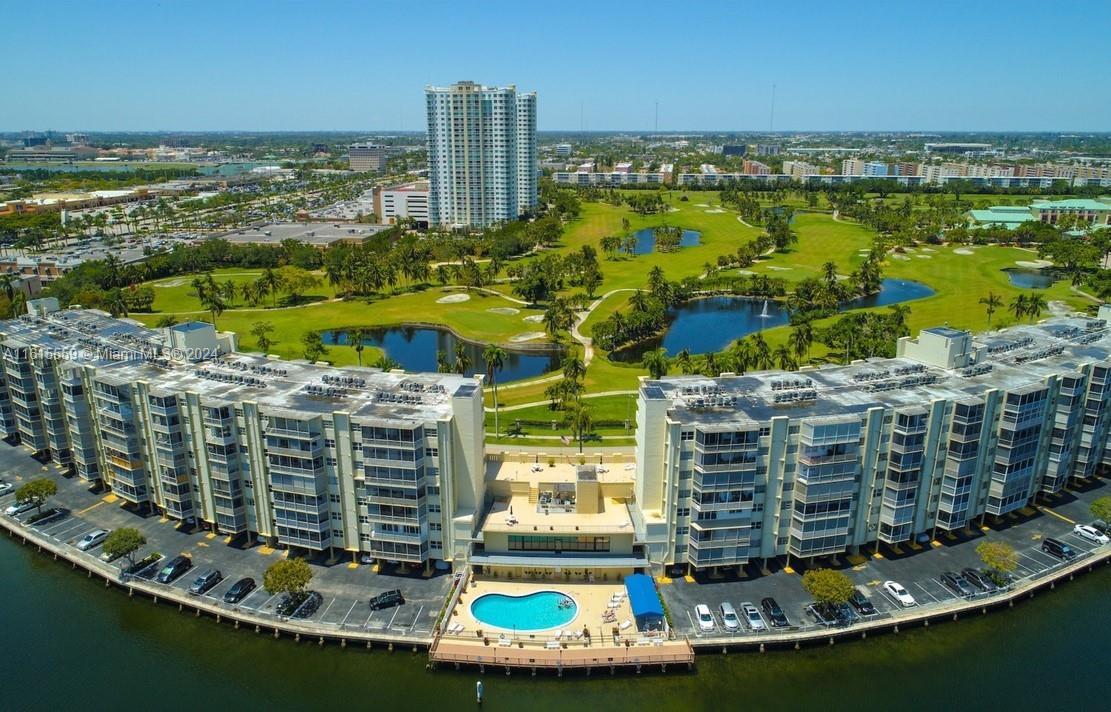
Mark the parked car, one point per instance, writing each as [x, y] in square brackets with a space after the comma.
[174, 569]
[1058, 548]
[46, 516]
[387, 600]
[774, 613]
[205, 581]
[980, 580]
[729, 617]
[861, 603]
[705, 618]
[956, 583]
[6, 487]
[1090, 533]
[19, 508]
[752, 617]
[831, 615]
[900, 594]
[239, 590]
[93, 539]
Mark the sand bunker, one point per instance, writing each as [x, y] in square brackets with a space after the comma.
[927, 249]
[534, 318]
[924, 257]
[170, 283]
[673, 210]
[1033, 264]
[702, 205]
[963, 251]
[713, 211]
[745, 271]
[779, 269]
[527, 336]
[904, 258]
[453, 299]
[508, 311]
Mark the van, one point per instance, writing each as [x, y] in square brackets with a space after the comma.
[205, 581]
[729, 616]
[1058, 548]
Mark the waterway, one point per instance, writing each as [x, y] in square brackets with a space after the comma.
[72, 644]
[415, 347]
[712, 323]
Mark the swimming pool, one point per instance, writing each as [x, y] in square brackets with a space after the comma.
[542, 610]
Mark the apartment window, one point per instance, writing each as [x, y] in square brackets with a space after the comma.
[333, 498]
[337, 534]
[683, 512]
[433, 508]
[435, 526]
[329, 443]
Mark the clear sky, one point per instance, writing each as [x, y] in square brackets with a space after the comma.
[602, 65]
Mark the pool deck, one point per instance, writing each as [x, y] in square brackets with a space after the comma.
[469, 641]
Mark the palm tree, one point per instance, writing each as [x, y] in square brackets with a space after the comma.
[261, 331]
[683, 361]
[1035, 305]
[442, 364]
[1018, 306]
[359, 337]
[494, 357]
[710, 365]
[462, 358]
[656, 363]
[386, 363]
[991, 302]
[580, 420]
[116, 302]
[573, 368]
[271, 283]
[802, 336]
[786, 357]
[762, 357]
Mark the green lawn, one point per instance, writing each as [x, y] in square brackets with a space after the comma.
[176, 294]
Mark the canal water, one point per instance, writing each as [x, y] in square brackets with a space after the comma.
[712, 323]
[72, 644]
[415, 347]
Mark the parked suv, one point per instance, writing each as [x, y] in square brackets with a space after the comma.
[174, 569]
[774, 613]
[1058, 548]
[239, 590]
[205, 581]
[956, 583]
[980, 580]
[387, 600]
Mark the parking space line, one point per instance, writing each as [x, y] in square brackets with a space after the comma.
[327, 608]
[349, 610]
[692, 623]
[416, 618]
[366, 624]
[395, 610]
[925, 591]
[1083, 544]
[69, 526]
[1050, 512]
[91, 507]
[267, 602]
[1037, 562]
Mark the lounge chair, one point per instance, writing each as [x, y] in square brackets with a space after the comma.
[504, 641]
[578, 635]
[559, 634]
[625, 624]
[552, 645]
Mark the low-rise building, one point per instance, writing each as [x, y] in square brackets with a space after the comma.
[403, 201]
[755, 168]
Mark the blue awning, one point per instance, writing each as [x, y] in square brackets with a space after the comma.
[645, 601]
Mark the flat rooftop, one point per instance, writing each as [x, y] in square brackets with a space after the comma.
[519, 516]
[562, 472]
[315, 233]
[126, 352]
[1013, 359]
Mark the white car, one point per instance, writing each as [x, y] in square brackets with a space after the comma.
[6, 487]
[19, 508]
[1091, 534]
[705, 618]
[899, 593]
[93, 538]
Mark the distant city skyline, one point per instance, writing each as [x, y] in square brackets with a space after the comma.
[122, 65]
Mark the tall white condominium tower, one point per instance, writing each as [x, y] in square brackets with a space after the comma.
[482, 161]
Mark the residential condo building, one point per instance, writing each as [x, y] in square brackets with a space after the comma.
[482, 154]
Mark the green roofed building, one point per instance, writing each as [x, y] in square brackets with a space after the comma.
[1095, 212]
[1008, 216]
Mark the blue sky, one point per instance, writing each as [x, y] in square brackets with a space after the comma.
[279, 65]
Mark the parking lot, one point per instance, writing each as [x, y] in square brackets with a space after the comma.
[344, 586]
[917, 569]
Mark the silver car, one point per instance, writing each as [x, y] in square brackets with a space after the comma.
[752, 617]
[93, 539]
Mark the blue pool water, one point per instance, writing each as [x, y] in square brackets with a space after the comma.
[536, 611]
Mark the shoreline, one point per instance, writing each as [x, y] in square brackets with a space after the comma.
[920, 616]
